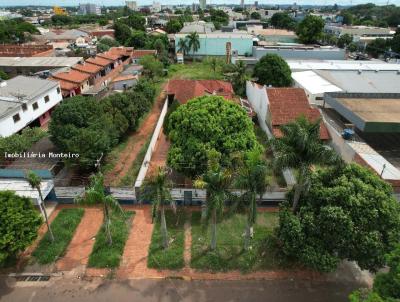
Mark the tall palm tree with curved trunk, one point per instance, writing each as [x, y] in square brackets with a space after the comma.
[300, 148]
[158, 189]
[193, 42]
[217, 182]
[96, 194]
[183, 46]
[252, 179]
[35, 181]
[239, 77]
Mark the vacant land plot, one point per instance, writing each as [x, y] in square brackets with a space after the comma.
[63, 228]
[230, 255]
[171, 258]
[105, 255]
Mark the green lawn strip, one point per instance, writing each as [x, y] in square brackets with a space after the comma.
[230, 254]
[130, 177]
[63, 227]
[172, 258]
[194, 71]
[104, 255]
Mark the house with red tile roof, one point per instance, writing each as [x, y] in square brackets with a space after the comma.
[185, 90]
[72, 82]
[138, 54]
[279, 106]
[94, 71]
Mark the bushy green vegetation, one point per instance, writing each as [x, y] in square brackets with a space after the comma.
[310, 29]
[283, 20]
[76, 20]
[263, 253]
[348, 213]
[373, 15]
[17, 143]
[216, 125]
[271, 69]
[91, 128]
[109, 256]
[63, 227]
[14, 31]
[19, 225]
[171, 258]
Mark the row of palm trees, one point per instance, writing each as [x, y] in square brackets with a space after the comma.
[190, 43]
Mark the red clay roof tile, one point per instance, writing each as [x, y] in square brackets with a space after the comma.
[73, 76]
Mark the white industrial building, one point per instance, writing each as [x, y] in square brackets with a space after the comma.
[24, 100]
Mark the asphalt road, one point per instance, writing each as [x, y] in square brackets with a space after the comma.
[177, 290]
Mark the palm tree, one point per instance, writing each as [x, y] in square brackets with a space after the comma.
[217, 182]
[214, 64]
[158, 190]
[300, 148]
[194, 42]
[252, 179]
[183, 46]
[35, 181]
[96, 194]
[239, 77]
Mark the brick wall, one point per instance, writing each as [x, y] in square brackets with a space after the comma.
[25, 50]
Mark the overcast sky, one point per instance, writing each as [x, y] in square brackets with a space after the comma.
[146, 2]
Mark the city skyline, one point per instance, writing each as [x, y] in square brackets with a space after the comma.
[188, 2]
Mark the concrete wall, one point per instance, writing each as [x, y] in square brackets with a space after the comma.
[257, 96]
[9, 127]
[146, 161]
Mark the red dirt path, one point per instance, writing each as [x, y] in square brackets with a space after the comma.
[135, 143]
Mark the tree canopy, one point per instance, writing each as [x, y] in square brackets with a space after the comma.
[283, 20]
[348, 213]
[205, 124]
[15, 30]
[19, 224]
[310, 29]
[271, 69]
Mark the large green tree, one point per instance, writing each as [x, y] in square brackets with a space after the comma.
[205, 124]
[271, 69]
[19, 224]
[310, 29]
[283, 20]
[301, 148]
[173, 26]
[348, 213]
[377, 47]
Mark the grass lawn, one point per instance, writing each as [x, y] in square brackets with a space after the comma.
[63, 227]
[130, 177]
[105, 256]
[230, 254]
[194, 71]
[172, 258]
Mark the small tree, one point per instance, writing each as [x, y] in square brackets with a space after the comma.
[35, 181]
[301, 148]
[193, 42]
[387, 285]
[271, 69]
[310, 29]
[183, 46]
[238, 77]
[19, 224]
[151, 66]
[158, 190]
[252, 179]
[217, 182]
[96, 194]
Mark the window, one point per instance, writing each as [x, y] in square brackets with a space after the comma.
[24, 107]
[58, 90]
[16, 118]
[46, 98]
[319, 98]
[35, 106]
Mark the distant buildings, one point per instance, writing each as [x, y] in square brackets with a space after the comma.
[132, 5]
[89, 9]
[203, 4]
[362, 34]
[25, 101]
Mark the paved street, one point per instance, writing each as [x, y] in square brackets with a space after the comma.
[177, 290]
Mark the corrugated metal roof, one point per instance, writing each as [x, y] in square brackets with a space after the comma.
[313, 83]
[40, 61]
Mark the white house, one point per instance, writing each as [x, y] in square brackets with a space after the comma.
[24, 100]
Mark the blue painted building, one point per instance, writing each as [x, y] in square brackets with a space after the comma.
[214, 43]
